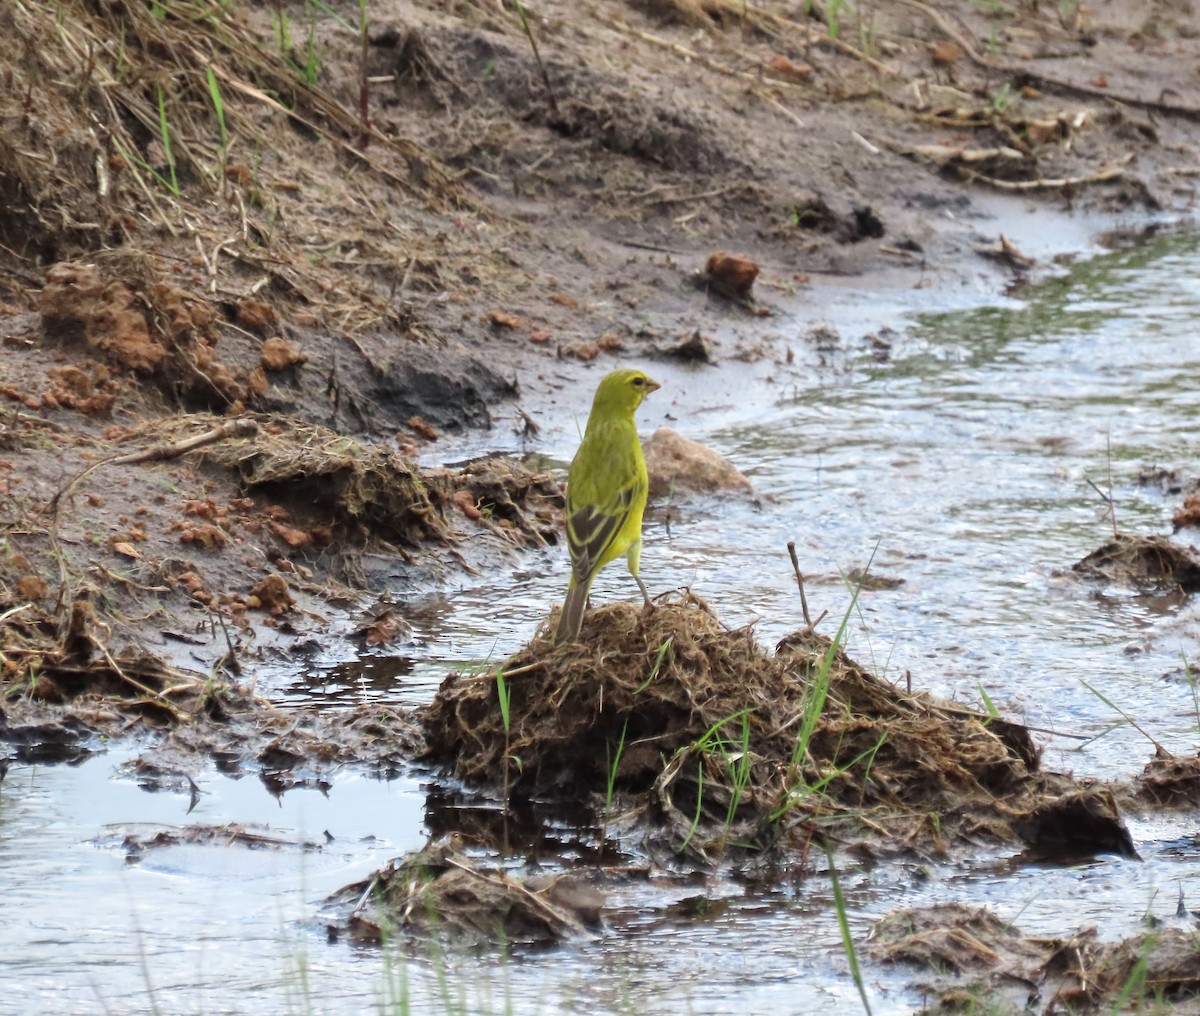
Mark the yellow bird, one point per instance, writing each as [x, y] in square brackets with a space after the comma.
[606, 493]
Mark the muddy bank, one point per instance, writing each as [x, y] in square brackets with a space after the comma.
[327, 261]
[424, 223]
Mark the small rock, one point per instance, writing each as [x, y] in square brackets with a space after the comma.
[731, 275]
[782, 67]
[582, 351]
[32, 587]
[677, 463]
[695, 347]
[256, 315]
[272, 594]
[1189, 514]
[946, 54]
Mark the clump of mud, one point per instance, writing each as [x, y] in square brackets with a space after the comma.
[441, 890]
[977, 960]
[145, 325]
[1144, 561]
[349, 488]
[718, 742]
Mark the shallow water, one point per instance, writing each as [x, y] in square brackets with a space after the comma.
[959, 464]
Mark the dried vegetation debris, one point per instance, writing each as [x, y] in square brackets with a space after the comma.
[974, 958]
[722, 743]
[56, 657]
[1166, 781]
[351, 489]
[1134, 560]
[442, 890]
[95, 150]
[138, 842]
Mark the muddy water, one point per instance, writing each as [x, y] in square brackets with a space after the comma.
[955, 463]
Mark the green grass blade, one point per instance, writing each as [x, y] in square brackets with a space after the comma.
[839, 902]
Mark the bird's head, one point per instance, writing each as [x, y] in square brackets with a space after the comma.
[623, 391]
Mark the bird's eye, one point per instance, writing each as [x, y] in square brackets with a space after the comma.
[638, 382]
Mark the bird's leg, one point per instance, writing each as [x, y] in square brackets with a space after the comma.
[634, 558]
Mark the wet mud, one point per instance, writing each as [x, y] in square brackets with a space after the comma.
[971, 958]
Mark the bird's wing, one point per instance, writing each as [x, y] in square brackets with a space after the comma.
[592, 529]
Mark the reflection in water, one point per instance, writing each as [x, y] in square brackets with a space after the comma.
[959, 468]
[374, 678]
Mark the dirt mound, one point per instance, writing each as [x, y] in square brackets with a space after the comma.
[729, 744]
[345, 488]
[1144, 561]
[440, 890]
[977, 961]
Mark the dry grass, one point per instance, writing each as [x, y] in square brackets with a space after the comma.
[112, 138]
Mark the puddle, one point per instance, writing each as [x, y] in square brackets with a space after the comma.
[960, 466]
[186, 928]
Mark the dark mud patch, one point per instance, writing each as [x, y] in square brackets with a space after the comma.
[66, 692]
[234, 354]
[441, 891]
[209, 531]
[285, 748]
[66, 740]
[719, 745]
[1144, 561]
[976, 960]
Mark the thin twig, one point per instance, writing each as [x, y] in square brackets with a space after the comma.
[1108, 500]
[799, 582]
[537, 56]
[1100, 176]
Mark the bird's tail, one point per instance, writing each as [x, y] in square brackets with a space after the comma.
[571, 619]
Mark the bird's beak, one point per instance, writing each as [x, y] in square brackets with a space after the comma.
[652, 386]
